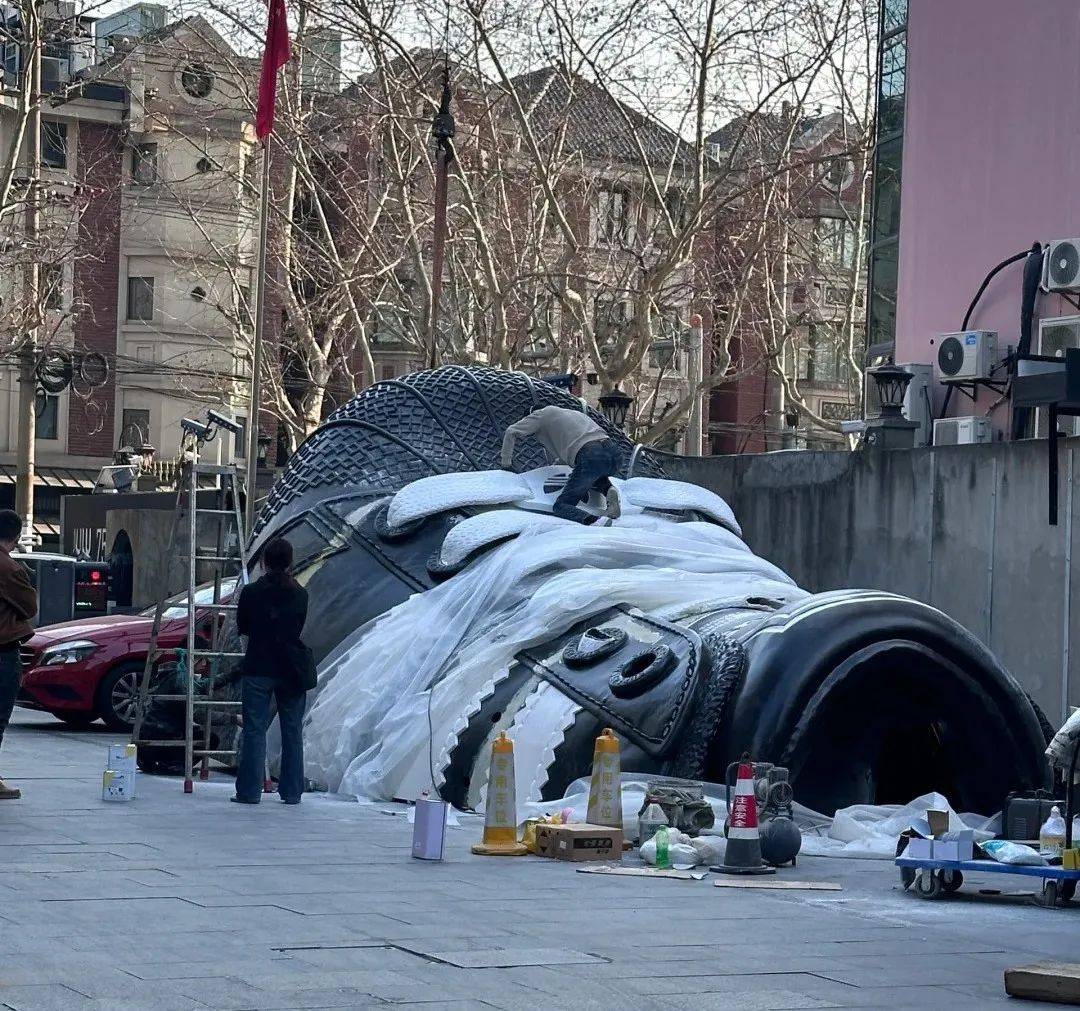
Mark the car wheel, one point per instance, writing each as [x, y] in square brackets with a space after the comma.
[118, 695]
[76, 719]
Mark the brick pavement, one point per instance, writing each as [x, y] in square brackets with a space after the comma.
[193, 903]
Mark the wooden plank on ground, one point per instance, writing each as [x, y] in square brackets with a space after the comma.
[643, 872]
[778, 884]
[1057, 982]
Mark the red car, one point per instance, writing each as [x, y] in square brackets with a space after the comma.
[89, 669]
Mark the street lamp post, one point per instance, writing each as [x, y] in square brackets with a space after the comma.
[615, 406]
[890, 429]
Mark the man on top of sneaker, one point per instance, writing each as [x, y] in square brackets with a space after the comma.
[573, 438]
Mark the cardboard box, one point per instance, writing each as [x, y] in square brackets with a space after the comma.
[939, 821]
[117, 785]
[919, 849]
[1070, 860]
[579, 842]
[121, 758]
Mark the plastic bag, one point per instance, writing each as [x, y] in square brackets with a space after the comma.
[681, 853]
[1005, 852]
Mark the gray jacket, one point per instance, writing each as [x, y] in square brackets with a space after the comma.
[560, 431]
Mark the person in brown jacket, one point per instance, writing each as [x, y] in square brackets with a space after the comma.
[18, 605]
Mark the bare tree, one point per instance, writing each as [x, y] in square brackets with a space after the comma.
[589, 209]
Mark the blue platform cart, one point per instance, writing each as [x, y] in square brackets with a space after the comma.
[934, 878]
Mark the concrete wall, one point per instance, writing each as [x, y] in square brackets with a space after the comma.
[963, 528]
[991, 141]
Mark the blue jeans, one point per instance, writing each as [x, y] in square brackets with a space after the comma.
[596, 462]
[256, 695]
[10, 677]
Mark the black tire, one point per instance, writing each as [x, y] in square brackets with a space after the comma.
[1048, 896]
[117, 695]
[76, 719]
[951, 881]
[927, 887]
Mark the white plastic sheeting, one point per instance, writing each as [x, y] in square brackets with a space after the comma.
[367, 733]
[1065, 742]
[476, 532]
[440, 492]
[654, 493]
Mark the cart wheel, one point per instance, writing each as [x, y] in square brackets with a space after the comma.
[951, 880]
[927, 885]
[1068, 890]
[1049, 894]
[907, 876]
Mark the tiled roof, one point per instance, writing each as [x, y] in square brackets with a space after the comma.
[598, 125]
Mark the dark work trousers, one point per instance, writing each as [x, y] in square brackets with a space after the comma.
[10, 676]
[256, 694]
[595, 463]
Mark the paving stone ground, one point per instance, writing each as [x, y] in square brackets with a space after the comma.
[174, 902]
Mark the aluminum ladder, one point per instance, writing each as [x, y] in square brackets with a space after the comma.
[227, 551]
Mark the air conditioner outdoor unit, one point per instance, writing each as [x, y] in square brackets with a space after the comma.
[1061, 265]
[917, 398]
[961, 431]
[1056, 335]
[971, 354]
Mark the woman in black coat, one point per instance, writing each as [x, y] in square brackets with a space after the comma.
[271, 613]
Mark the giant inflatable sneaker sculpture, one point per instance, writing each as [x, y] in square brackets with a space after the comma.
[448, 604]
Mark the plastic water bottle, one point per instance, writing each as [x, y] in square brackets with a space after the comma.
[663, 855]
[1052, 834]
[649, 822]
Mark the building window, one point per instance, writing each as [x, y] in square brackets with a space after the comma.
[47, 415]
[888, 155]
[663, 355]
[240, 440]
[140, 299]
[54, 138]
[609, 318]
[837, 242]
[52, 286]
[244, 307]
[613, 217]
[135, 427]
[197, 80]
[884, 262]
[819, 358]
[386, 372]
[144, 164]
[675, 202]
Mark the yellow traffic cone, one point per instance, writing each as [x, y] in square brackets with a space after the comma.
[605, 791]
[500, 814]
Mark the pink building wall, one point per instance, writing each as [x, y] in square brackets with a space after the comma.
[991, 161]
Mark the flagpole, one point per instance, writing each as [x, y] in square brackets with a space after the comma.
[257, 343]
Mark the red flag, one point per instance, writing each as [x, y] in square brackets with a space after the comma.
[275, 56]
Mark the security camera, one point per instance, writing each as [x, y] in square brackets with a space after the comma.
[197, 428]
[224, 421]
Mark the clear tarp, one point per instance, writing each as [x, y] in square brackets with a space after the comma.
[391, 697]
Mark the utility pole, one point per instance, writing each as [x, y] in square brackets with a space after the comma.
[27, 420]
[442, 130]
[696, 347]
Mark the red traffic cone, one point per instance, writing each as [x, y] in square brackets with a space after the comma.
[742, 855]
